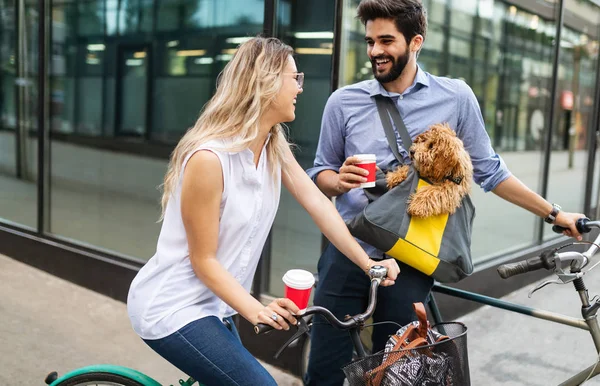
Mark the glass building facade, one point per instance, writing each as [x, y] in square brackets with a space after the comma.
[94, 94]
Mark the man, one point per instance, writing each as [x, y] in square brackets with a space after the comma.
[395, 31]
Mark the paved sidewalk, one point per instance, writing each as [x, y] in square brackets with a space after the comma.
[48, 324]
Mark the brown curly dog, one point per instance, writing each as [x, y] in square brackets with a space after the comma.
[440, 157]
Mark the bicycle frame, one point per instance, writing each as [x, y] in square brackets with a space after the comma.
[588, 323]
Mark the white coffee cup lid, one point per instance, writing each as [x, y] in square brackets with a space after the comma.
[299, 279]
[367, 157]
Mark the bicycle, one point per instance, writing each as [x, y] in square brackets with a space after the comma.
[568, 266]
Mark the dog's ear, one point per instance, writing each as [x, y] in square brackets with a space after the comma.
[462, 170]
[442, 155]
[456, 173]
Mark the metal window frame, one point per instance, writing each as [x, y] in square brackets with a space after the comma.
[44, 39]
[548, 139]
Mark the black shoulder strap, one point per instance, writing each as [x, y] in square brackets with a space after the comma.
[386, 107]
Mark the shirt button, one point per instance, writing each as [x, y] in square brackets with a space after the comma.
[401, 97]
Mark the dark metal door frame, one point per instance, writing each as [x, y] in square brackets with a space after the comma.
[43, 120]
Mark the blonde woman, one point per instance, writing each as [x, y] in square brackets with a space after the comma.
[221, 194]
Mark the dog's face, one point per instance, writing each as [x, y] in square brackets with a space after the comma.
[438, 154]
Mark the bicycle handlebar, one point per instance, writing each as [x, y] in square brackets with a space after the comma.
[377, 274]
[547, 259]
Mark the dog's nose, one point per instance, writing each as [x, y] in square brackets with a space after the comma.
[412, 153]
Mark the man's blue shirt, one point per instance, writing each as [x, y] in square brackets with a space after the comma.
[351, 125]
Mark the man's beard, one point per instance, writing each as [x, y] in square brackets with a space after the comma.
[398, 65]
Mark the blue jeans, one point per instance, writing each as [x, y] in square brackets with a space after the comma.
[344, 289]
[209, 352]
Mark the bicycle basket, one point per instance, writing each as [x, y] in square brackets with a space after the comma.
[444, 363]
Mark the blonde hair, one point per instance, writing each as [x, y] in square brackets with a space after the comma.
[246, 87]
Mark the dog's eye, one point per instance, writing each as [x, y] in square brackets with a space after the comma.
[430, 145]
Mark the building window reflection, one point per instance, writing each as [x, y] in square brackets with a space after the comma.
[128, 77]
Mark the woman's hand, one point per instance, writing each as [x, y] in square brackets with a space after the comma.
[279, 313]
[393, 270]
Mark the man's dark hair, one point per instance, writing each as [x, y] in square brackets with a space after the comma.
[409, 16]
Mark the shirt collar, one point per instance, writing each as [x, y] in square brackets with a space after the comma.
[421, 78]
[250, 155]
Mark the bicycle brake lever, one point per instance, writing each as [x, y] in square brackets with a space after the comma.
[576, 259]
[302, 329]
[542, 285]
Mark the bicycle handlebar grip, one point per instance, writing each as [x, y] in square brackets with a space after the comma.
[507, 270]
[261, 328]
[581, 225]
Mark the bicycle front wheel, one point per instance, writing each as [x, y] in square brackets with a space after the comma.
[99, 379]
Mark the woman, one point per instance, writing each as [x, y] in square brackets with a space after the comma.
[221, 194]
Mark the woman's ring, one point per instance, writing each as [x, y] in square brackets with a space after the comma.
[274, 316]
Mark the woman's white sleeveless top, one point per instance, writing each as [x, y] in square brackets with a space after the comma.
[166, 294]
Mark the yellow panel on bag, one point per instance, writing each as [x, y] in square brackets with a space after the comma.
[413, 256]
[427, 232]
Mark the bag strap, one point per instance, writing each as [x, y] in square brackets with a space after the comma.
[424, 324]
[387, 108]
[422, 317]
[375, 376]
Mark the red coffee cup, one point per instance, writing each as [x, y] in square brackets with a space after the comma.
[298, 284]
[368, 162]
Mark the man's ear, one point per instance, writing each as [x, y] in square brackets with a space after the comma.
[416, 43]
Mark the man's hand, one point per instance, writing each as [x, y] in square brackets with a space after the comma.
[568, 220]
[351, 176]
[393, 271]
